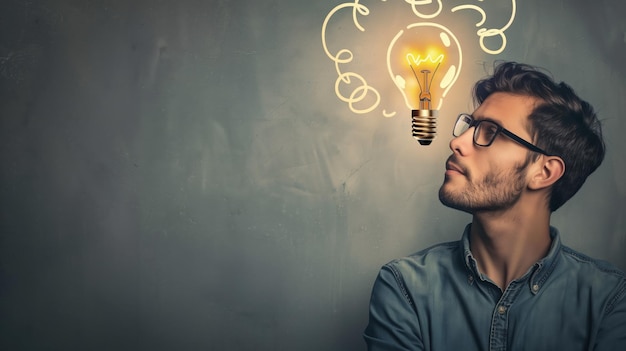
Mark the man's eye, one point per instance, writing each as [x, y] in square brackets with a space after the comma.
[489, 130]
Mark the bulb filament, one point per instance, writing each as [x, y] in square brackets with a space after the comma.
[425, 97]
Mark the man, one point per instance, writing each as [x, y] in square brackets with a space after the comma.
[509, 283]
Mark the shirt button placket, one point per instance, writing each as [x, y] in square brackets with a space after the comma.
[497, 340]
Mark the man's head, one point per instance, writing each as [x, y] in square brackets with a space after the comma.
[529, 105]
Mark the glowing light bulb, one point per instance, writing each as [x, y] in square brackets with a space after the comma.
[424, 60]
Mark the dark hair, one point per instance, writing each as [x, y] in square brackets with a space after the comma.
[561, 123]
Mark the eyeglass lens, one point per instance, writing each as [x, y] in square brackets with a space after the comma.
[485, 131]
[462, 124]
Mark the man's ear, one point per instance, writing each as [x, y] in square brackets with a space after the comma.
[551, 170]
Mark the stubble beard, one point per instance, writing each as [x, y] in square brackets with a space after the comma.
[498, 190]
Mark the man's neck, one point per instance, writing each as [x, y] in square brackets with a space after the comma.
[506, 244]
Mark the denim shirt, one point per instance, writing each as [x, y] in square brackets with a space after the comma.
[437, 299]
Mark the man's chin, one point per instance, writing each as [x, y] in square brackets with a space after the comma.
[445, 198]
[449, 200]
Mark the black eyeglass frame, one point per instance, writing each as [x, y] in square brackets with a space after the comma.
[475, 122]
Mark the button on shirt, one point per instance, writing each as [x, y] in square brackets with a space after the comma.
[437, 299]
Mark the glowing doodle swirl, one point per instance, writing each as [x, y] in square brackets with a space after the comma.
[484, 32]
[417, 13]
[345, 56]
[352, 88]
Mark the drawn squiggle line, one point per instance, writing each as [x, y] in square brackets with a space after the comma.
[410, 58]
[358, 94]
[415, 3]
[388, 114]
[486, 33]
[472, 7]
[344, 56]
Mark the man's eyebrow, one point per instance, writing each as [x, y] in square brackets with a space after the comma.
[490, 119]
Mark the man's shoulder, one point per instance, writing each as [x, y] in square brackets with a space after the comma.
[437, 256]
[591, 267]
[421, 273]
[593, 277]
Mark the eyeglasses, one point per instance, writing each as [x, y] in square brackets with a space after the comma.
[486, 132]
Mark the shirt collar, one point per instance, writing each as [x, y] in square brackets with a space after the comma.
[538, 273]
[541, 271]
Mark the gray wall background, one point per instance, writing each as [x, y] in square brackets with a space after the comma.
[181, 175]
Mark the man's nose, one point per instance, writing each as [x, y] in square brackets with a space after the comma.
[464, 142]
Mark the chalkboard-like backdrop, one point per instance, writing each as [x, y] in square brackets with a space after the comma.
[183, 176]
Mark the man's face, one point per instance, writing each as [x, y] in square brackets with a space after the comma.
[489, 178]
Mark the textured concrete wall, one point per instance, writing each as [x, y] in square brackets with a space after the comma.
[183, 176]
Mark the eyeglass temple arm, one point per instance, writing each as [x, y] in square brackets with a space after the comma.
[524, 142]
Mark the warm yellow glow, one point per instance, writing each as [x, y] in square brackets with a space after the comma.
[416, 60]
[430, 47]
[424, 60]
[424, 69]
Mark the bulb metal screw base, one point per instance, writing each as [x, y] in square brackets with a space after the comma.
[424, 125]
